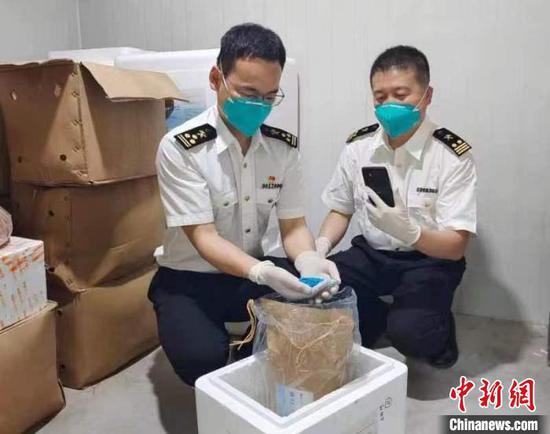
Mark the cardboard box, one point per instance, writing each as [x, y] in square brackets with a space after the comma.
[91, 234]
[22, 280]
[30, 391]
[102, 329]
[69, 123]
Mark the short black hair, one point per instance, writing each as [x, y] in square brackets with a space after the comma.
[403, 57]
[249, 41]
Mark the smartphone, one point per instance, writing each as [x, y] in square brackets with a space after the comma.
[377, 178]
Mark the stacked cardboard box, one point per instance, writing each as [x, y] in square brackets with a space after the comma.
[28, 371]
[102, 328]
[82, 140]
[29, 387]
[92, 235]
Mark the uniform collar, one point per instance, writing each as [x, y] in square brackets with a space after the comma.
[224, 135]
[262, 140]
[415, 145]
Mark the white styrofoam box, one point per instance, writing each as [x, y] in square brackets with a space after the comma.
[22, 280]
[229, 400]
[105, 56]
[190, 71]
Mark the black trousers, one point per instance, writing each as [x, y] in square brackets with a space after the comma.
[418, 321]
[191, 310]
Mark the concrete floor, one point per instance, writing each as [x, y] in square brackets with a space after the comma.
[148, 398]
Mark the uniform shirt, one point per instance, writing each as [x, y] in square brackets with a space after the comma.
[214, 182]
[437, 185]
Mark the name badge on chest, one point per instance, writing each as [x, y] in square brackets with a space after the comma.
[271, 183]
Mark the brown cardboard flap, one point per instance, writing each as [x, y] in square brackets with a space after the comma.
[117, 83]
[127, 84]
[33, 64]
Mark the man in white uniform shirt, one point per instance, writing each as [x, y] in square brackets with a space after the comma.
[220, 175]
[414, 250]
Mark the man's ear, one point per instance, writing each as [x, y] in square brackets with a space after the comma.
[215, 78]
[429, 95]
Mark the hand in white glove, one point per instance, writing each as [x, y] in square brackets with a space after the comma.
[313, 264]
[393, 221]
[280, 280]
[323, 246]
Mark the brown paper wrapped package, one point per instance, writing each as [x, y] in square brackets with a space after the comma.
[309, 348]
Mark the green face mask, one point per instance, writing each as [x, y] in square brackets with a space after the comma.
[398, 118]
[245, 114]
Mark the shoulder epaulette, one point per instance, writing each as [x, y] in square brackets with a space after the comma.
[362, 132]
[196, 136]
[276, 133]
[451, 140]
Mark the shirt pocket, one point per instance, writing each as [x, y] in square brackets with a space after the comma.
[265, 201]
[225, 210]
[422, 208]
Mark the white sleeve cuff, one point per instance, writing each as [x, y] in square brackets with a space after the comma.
[290, 213]
[188, 220]
[459, 225]
[343, 208]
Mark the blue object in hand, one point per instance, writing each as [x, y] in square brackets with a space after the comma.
[311, 281]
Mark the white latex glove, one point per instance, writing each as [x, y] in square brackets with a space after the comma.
[280, 280]
[313, 264]
[393, 221]
[323, 246]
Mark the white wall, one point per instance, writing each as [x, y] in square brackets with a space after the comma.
[30, 28]
[490, 73]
